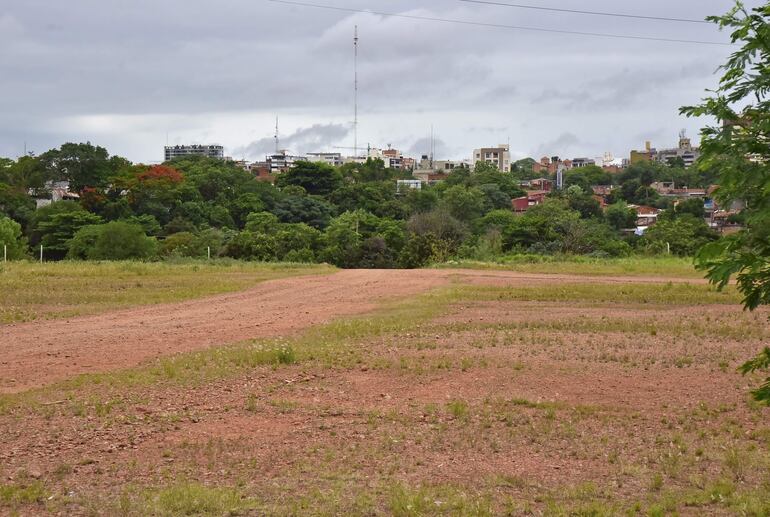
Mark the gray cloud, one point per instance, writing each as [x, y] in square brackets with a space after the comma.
[560, 146]
[122, 74]
[315, 137]
[422, 147]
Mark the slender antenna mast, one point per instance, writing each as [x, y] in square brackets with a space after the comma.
[431, 146]
[276, 135]
[355, 91]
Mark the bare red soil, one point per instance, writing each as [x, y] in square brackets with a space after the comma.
[38, 353]
[528, 403]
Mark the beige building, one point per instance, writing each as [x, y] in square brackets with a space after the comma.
[500, 156]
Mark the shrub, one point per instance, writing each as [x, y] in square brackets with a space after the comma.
[10, 236]
[117, 240]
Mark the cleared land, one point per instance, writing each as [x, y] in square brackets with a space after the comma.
[491, 392]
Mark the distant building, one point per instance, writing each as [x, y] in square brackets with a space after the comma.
[499, 156]
[392, 158]
[668, 189]
[58, 190]
[581, 162]
[646, 216]
[521, 204]
[281, 161]
[647, 155]
[404, 185]
[333, 159]
[684, 150]
[211, 151]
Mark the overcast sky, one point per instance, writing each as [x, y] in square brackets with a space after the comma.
[125, 75]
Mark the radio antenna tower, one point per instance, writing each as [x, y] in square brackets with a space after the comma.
[355, 91]
[276, 135]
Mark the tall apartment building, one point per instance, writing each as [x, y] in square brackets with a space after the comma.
[212, 151]
[499, 156]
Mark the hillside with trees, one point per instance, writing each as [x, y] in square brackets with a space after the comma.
[351, 216]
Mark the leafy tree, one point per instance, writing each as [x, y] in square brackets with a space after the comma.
[685, 235]
[737, 147]
[497, 219]
[83, 165]
[81, 245]
[262, 222]
[433, 236]
[465, 204]
[586, 177]
[293, 241]
[244, 205]
[494, 197]
[12, 238]
[219, 217]
[378, 198]
[251, 246]
[16, 204]
[55, 224]
[149, 224]
[116, 240]
[620, 216]
[346, 234]
[692, 206]
[316, 178]
[24, 174]
[419, 201]
[188, 244]
[583, 202]
[309, 210]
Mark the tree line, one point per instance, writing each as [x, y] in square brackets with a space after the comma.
[349, 216]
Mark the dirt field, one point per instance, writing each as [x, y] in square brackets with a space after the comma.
[392, 392]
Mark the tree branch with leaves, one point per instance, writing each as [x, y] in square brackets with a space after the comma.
[738, 146]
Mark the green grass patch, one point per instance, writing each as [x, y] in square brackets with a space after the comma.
[675, 267]
[188, 498]
[20, 494]
[669, 293]
[34, 291]
[408, 501]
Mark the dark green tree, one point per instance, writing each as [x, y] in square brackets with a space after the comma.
[12, 238]
[737, 147]
[316, 178]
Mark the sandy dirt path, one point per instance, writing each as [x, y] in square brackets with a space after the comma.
[38, 353]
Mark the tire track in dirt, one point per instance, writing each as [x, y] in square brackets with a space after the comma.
[38, 353]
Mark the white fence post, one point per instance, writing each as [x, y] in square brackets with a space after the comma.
[5, 253]
[41, 253]
[208, 251]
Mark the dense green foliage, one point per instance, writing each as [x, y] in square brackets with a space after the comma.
[737, 146]
[350, 216]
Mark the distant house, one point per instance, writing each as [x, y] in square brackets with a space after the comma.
[405, 185]
[524, 203]
[646, 216]
[59, 191]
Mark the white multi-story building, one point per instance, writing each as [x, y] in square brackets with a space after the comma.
[211, 151]
[281, 161]
[499, 156]
[333, 159]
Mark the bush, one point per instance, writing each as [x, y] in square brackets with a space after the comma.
[10, 236]
[251, 246]
[117, 240]
[685, 235]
